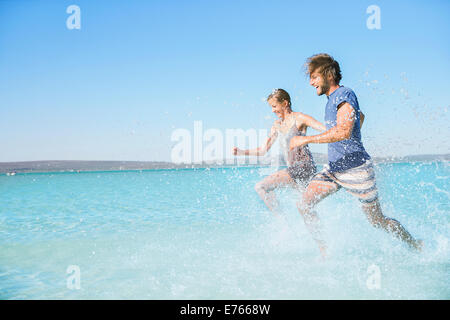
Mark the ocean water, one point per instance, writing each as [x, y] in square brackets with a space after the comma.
[205, 234]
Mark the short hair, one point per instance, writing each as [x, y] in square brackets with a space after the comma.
[325, 65]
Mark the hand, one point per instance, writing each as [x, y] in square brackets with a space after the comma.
[298, 141]
[236, 151]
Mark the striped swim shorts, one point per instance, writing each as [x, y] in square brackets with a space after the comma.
[358, 181]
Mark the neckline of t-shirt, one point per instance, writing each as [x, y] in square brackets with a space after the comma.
[334, 92]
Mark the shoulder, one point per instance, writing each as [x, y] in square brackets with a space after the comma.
[345, 92]
[300, 117]
[346, 95]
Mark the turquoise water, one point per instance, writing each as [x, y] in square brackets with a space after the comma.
[205, 234]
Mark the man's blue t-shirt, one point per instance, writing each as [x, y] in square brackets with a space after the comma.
[349, 153]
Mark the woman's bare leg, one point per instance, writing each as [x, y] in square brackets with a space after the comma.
[266, 187]
[316, 191]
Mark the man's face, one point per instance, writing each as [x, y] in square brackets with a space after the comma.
[319, 82]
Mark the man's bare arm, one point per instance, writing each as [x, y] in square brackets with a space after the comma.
[342, 131]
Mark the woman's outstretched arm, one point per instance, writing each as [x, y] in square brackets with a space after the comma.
[311, 122]
[262, 150]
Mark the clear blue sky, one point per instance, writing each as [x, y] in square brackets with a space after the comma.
[137, 70]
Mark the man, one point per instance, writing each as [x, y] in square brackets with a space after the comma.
[350, 167]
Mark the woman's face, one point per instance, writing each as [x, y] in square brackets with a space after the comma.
[279, 108]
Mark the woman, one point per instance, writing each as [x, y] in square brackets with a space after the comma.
[301, 166]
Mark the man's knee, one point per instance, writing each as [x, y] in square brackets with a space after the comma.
[374, 214]
[378, 220]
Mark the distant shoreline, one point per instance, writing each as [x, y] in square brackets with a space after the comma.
[89, 166]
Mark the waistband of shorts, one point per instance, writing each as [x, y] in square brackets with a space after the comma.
[349, 161]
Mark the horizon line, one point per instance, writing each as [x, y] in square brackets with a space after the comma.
[208, 161]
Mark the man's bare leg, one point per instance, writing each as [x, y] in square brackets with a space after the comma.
[377, 219]
[315, 192]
